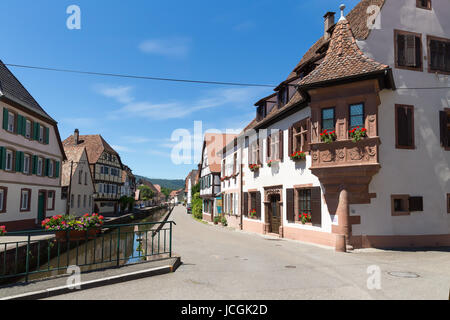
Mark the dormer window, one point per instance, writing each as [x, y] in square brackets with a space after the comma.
[282, 97]
[423, 4]
[261, 111]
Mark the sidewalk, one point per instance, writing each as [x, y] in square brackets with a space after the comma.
[58, 285]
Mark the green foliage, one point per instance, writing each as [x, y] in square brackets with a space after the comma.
[196, 188]
[224, 221]
[217, 219]
[197, 206]
[146, 193]
[166, 191]
[175, 184]
[126, 202]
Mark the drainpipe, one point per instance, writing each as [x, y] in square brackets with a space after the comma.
[241, 195]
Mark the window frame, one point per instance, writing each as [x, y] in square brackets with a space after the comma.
[297, 200]
[405, 33]
[429, 39]
[322, 118]
[350, 115]
[274, 147]
[405, 199]
[299, 129]
[51, 168]
[30, 135]
[52, 203]
[11, 168]
[448, 203]
[28, 204]
[25, 157]
[40, 172]
[397, 145]
[14, 121]
[4, 199]
[427, 7]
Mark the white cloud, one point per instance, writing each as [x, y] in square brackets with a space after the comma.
[122, 149]
[175, 47]
[121, 94]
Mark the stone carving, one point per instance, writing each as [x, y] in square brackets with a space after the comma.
[326, 156]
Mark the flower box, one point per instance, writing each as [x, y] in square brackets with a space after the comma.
[2, 230]
[305, 218]
[357, 134]
[270, 163]
[254, 167]
[76, 235]
[328, 136]
[298, 156]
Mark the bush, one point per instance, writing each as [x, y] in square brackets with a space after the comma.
[217, 219]
[197, 206]
[224, 221]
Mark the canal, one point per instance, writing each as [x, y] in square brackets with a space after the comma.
[116, 246]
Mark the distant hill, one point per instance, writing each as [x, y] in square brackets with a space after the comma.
[174, 184]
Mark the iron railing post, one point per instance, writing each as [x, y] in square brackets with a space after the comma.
[118, 246]
[27, 263]
[170, 240]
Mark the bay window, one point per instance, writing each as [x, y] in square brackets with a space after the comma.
[356, 116]
[328, 119]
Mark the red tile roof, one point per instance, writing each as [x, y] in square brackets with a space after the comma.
[344, 59]
[95, 145]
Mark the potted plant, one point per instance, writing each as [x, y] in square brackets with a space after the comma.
[2, 231]
[254, 167]
[270, 163]
[216, 220]
[357, 134]
[74, 228]
[224, 221]
[305, 217]
[299, 155]
[328, 136]
[252, 213]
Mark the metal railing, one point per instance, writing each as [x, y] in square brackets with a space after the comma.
[41, 254]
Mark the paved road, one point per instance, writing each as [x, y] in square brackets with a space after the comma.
[220, 263]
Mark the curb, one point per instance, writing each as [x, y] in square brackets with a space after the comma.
[52, 292]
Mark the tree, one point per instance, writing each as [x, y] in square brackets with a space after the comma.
[195, 188]
[197, 206]
[146, 193]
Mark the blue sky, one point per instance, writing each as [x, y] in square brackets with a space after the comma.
[257, 41]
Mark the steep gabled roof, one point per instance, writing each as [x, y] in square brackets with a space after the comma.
[95, 145]
[344, 59]
[212, 144]
[12, 89]
[73, 154]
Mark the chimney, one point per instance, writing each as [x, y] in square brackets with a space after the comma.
[329, 22]
[76, 137]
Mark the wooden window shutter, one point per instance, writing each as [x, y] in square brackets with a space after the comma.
[249, 153]
[410, 51]
[258, 204]
[34, 164]
[290, 205]
[46, 135]
[281, 146]
[37, 130]
[258, 153]
[443, 120]
[19, 161]
[316, 206]
[5, 118]
[415, 204]
[409, 125]
[46, 172]
[291, 140]
[19, 124]
[401, 50]
[57, 165]
[2, 158]
[245, 205]
[308, 136]
[14, 159]
[268, 146]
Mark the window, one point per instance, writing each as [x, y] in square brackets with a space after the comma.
[28, 129]
[282, 97]
[40, 163]
[400, 205]
[100, 188]
[3, 197]
[408, 50]
[80, 175]
[439, 55]
[79, 201]
[328, 121]
[254, 153]
[304, 202]
[235, 163]
[9, 160]
[90, 201]
[404, 126]
[11, 121]
[448, 203]
[301, 137]
[252, 201]
[423, 4]
[41, 134]
[356, 116]
[84, 201]
[72, 200]
[85, 178]
[64, 192]
[25, 197]
[50, 168]
[26, 163]
[51, 200]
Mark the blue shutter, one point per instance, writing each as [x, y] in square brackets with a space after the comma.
[46, 135]
[2, 158]
[57, 164]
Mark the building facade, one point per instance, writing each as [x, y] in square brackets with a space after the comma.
[378, 177]
[191, 181]
[106, 170]
[128, 188]
[77, 182]
[31, 154]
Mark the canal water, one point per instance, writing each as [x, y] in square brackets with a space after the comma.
[137, 244]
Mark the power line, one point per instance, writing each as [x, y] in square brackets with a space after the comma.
[141, 77]
[117, 75]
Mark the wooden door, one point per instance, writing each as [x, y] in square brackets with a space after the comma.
[275, 215]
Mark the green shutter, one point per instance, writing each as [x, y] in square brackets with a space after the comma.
[47, 132]
[47, 161]
[34, 165]
[57, 164]
[17, 166]
[2, 158]
[5, 118]
[24, 126]
[36, 131]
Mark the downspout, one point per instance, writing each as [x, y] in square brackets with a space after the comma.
[241, 194]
